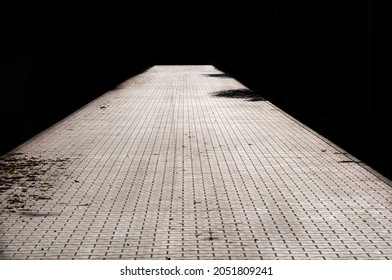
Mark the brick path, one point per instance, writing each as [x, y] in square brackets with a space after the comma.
[183, 162]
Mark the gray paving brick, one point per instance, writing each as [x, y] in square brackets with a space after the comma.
[176, 163]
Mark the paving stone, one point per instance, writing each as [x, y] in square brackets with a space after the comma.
[181, 163]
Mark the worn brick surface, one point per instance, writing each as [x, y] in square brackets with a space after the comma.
[183, 162]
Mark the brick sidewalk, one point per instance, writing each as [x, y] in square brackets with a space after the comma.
[183, 162]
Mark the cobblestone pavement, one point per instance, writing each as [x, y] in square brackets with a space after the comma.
[184, 162]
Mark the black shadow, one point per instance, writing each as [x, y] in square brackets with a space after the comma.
[223, 75]
[247, 94]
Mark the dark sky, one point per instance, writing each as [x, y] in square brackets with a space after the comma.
[161, 31]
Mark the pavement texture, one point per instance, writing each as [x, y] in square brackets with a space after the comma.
[184, 162]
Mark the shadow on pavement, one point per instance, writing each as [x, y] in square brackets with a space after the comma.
[223, 75]
[247, 94]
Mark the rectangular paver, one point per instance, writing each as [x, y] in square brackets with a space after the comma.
[184, 162]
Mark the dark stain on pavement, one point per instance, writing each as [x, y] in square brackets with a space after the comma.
[244, 93]
[21, 179]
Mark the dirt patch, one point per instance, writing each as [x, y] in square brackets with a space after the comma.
[21, 179]
[208, 235]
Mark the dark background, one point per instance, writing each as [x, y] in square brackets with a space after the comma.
[323, 61]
